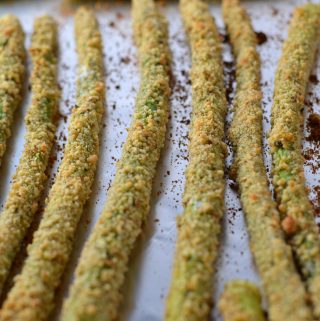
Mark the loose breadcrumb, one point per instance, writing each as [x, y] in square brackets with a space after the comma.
[295, 208]
[32, 296]
[284, 290]
[29, 179]
[100, 275]
[12, 59]
[191, 290]
[241, 301]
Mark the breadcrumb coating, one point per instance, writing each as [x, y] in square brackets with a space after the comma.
[241, 301]
[29, 180]
[291, 81]
[100, 275]
[284, 290]
[12, 69]
[199, 227]
[32, 296]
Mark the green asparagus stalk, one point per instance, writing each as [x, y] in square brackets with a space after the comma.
[12, 59]
[100, 275]
[32, 296]
[199, 226]
[296, 211]
[29, 179]
[285, 292]
[241, 301]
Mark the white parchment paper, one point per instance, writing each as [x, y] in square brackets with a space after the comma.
[150, 269]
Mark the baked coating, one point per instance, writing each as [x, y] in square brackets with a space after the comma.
[12, 70]
[29, 180]
[32, 296]
[199, 227]
[100, 275]
[241, 300]
[96, 292]
[291, 81]
[283, 288]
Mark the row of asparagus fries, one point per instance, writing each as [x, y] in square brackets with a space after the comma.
[284, 238]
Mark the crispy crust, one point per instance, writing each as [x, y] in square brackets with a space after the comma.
[241, 300]
[32, 296]
[12, 59]
[295, 208]
[96, 293]
[200, 225]
[29, 179]
[284, 290]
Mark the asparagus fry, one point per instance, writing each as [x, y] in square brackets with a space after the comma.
[295, 208]
[28, 182]
[32, 296]
[199, 227]
[240, 301]
[12, 59]
[95, 294]
[284, 290]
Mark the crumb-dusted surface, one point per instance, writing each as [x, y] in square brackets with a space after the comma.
[295, 208]
[284, 290]
[32, 296]
[12, 59]
[149, 273]
[96, 293]
[190, 293]
[241, 301]
[28, 182]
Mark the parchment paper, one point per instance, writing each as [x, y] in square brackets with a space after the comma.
[150, 269]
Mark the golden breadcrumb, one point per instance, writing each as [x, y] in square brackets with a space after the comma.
[285, 293]
[32, 296]
[100, 275]
[199, 227]
[291, 81]
[12, 69]
[29, 180]
[241, 301]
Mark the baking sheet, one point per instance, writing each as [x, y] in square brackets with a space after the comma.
[150, 270]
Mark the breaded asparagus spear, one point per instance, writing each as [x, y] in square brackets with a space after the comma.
[200, 225]
[12, 59]
[32, 296]
[295, 208]
[284, 290]
[241, 300]
[29, 179]
[96, 292]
